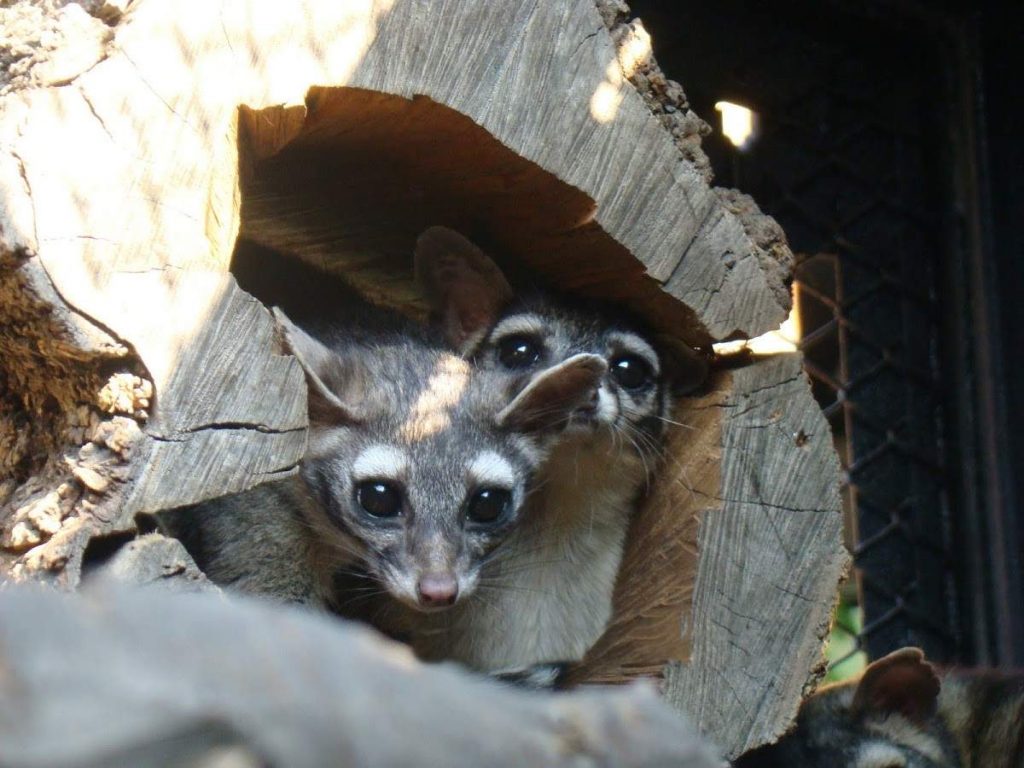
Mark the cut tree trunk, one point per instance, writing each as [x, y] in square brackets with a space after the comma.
[138, 169]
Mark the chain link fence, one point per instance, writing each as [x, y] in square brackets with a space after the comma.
[844, 156]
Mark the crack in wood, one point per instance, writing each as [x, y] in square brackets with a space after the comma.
[92, 108]
[241, 426]
[581, 42]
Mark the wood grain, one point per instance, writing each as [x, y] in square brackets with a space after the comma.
[770, 558]
[370, 171]
[129, 174]
[731, 567]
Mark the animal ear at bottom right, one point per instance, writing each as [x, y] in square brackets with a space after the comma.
[901, 683]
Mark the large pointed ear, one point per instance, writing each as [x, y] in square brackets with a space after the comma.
[547, 402]
[334, 387]
[466, 290]
[686, 368]
[901, 683]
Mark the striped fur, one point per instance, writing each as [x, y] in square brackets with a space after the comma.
[903, 713]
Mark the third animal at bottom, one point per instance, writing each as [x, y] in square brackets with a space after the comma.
[903, 713]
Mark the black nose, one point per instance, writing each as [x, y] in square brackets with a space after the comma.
[437, 589]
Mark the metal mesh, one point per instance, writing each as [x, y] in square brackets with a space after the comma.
[885, 415]
[843, 160]
[847, 181]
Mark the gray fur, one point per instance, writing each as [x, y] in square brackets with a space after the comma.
[902, 713]
[546, 594]
[397, 392]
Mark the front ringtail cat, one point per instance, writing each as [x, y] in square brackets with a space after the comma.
[417, 466]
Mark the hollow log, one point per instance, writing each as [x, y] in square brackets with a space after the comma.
[143, 159]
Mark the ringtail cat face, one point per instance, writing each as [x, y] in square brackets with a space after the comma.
[522, 336]
[420, 464]
[533, 334]
[886, 719]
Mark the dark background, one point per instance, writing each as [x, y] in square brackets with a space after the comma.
[888, 147]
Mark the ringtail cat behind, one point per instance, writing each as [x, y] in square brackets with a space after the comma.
[416, 468]
[546, 596]
[903, 713]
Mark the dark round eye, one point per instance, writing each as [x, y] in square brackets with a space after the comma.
[631, 371]
[488, 505]
[379, 499]
[519, 351]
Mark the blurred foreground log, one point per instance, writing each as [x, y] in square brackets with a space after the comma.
[143, 158]
[116, 678]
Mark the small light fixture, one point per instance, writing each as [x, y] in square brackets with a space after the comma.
[737, 123]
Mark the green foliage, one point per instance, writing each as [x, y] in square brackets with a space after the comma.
[845, 659]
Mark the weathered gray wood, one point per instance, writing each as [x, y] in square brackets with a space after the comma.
[231, 414]
[124, 184]
[91, 679]
[771, 556]
[121, 199]
[664, 97]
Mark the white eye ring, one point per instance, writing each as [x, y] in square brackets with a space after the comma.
[880, 755]
[491, 470]
[519, 325]
[380, 462]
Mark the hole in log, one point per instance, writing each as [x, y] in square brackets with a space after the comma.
[349, 181]
[342, 187]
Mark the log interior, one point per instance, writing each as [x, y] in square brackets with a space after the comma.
[349, 181]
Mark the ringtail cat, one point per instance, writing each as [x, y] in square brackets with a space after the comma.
[903, 713]
[546, 595]
[417, 466]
